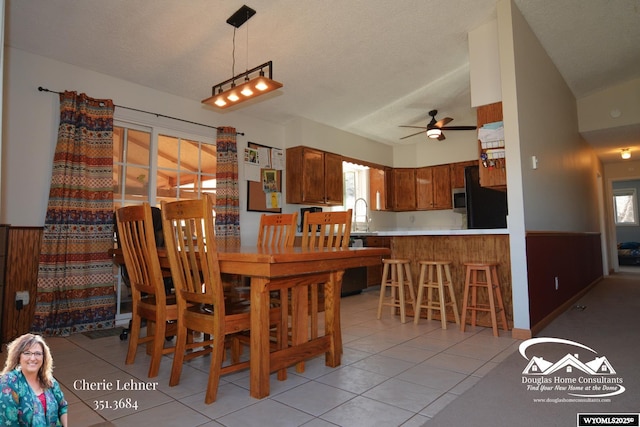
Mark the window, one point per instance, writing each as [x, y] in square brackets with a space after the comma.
[625, 206]
[151, 166]
[356, 188]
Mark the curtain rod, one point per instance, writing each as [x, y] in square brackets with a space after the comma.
[42, 89]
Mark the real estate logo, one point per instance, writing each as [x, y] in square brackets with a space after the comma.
[580, 372]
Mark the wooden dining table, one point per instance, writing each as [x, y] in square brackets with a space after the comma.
[272, 269]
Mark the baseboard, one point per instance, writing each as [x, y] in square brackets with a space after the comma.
[521, 334]
[535, 329]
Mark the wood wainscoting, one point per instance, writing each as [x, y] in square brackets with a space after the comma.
[573, 260]
[460, 249]
[21, 274]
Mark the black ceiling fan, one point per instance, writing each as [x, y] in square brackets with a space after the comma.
[435, 127]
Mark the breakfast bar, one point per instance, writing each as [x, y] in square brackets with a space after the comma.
[458, 246]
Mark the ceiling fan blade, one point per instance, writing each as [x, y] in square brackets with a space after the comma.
[442, 122]
[459, 128]
[441, 137]
[416, 127]
[413, 134]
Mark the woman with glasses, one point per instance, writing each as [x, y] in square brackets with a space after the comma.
[29, 395]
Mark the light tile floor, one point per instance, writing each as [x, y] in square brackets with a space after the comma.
[392, 374]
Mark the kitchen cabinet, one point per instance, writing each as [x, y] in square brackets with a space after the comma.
[433, 188]
[314, 177]
[491, 176]
[377, 190]
[457, 172]
[402, 186]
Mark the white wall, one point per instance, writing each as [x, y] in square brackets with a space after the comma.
[31, 120]
[484, 65]
[628, 170]
[540, 118]
[594, 111]
[306, 132]
[560, 195]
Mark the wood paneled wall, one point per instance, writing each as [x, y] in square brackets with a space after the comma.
[460, 249]
[574, 258]
[21, 274]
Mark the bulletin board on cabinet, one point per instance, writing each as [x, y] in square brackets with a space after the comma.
[263, 168]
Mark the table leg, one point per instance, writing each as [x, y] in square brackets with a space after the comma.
[259, 363]
[300, 318]
[332, 318]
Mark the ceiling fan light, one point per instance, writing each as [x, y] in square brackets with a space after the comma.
[434, 133]
[625, 153]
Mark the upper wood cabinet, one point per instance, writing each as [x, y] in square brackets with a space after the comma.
[377, 190]
[491, 176]
[433, 188]
[457, 172]
[402, 186]
[314, 177]
[333, 180]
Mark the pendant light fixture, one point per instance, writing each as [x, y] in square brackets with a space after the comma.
[244, 86]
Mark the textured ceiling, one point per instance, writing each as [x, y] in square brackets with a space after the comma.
[361, 66]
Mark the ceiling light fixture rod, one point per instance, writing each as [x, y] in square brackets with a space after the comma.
[268, 65]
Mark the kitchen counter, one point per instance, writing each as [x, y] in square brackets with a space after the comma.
[432, 232]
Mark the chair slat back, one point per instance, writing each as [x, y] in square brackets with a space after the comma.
[137, 241]
[189, 235]
[326, 229]
[277, 230]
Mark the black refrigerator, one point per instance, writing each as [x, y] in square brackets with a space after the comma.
[486, 208]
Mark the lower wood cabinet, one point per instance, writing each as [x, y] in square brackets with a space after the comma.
[374, 272]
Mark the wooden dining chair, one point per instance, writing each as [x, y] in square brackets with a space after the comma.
[191, 249]
[150, 302]
[320, 230]
[277, 230]
[326, 229]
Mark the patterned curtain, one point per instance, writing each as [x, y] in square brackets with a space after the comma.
[75, 276]
[227, 194]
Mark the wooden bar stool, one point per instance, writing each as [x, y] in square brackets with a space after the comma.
[437, 275]
[492, 285]
[396, 274]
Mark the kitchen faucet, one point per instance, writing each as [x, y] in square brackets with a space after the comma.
[355, 215]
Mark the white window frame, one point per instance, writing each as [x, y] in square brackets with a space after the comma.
[361, 217]
[627, 192]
